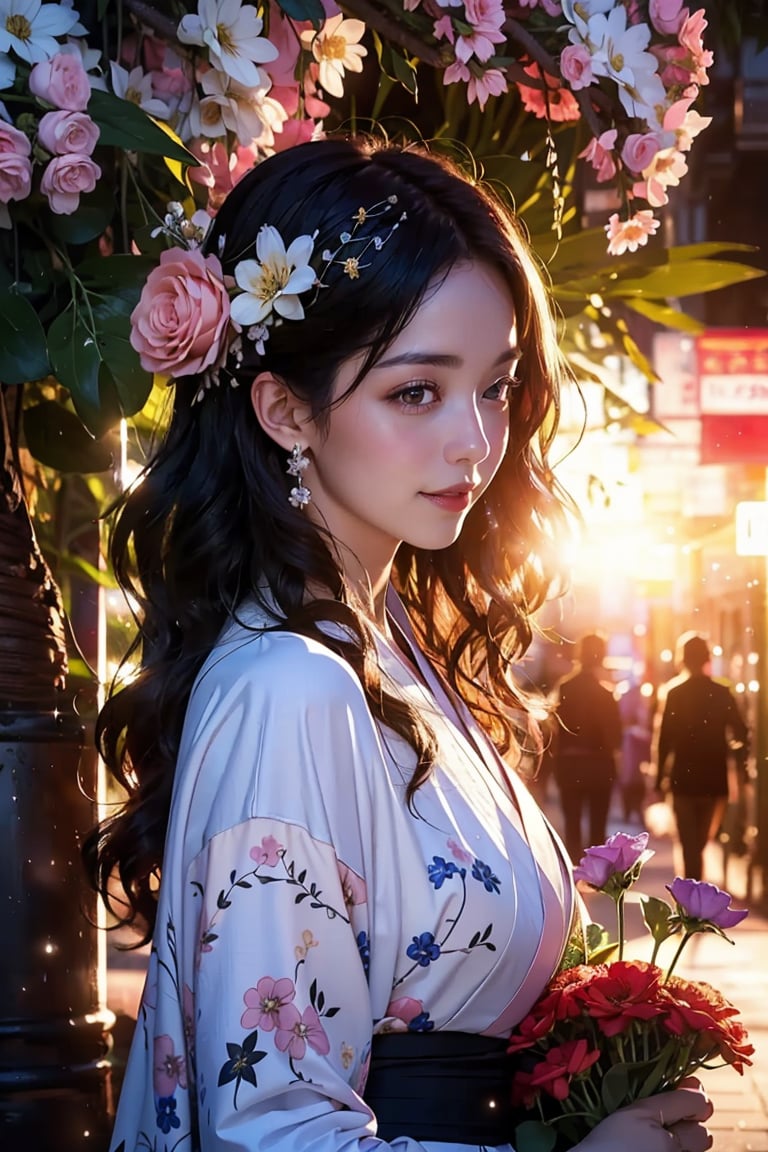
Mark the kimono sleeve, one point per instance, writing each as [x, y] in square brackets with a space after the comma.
[281, 1016]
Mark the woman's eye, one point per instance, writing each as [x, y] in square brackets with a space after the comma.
[501, 388]
[417, 395]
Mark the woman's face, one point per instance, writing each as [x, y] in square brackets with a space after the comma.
[414, 446]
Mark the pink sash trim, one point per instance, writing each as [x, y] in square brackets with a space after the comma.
[556, 890]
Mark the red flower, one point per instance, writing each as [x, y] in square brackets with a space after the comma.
[560, 1065]
[628, 990]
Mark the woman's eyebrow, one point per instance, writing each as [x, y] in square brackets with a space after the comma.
[441, 359]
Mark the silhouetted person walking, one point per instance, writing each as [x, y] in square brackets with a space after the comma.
[586, 747]
[699, 723]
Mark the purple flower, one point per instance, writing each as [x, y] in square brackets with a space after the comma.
[701, 901]
[619, 855]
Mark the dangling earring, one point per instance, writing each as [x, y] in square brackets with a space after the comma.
[297, 464]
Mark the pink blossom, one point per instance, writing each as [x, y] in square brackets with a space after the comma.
[667, 16]
[459, 853]
[491, 82]
[63, 132]
[64, 180]
[666, 168]
[179, 323]
[706, 902]
[576, 66]
[442, 29]
[629, 235]
[15, 164]
[61, 81]
[268, 852]
[558, 103]
[674, 64]
[169, 1070]
[284, 35]
[639, 149]
[690, 37]
[485, 18]
[266, 1004]
[299, 1030]
[294, 132]
[599, 152]
[313, 105]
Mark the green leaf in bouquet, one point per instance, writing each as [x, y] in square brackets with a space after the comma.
[614, 1087]
[534, 1136]
[659, 918]
[659, 1069]
[123, 124]
[22, 340]
[56, 437]
[93, 216]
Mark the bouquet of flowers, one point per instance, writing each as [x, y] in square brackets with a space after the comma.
[613, 1030]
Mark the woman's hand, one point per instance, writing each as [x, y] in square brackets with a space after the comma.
[668, 1122]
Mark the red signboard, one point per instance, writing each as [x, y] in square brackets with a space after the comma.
[733, 395]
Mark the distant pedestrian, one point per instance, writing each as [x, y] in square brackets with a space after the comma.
[586, 747]
[635, 711]
[700, 723]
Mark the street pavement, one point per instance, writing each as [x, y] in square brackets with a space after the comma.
[739, 971]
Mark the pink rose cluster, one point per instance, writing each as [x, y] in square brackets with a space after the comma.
[66, 133]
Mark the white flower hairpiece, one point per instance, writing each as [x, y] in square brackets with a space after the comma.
[271, 284]
[191, 319]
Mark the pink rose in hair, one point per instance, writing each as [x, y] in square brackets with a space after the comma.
[15, 164]
[179, 323]
[65, 179]
[62, 81]
[65, 132]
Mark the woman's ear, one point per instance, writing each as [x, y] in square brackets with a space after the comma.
[284, 417]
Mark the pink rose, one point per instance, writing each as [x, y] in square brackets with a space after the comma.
[65, 132]
[15, 164]
[639, 150]
[178, 325]
[65, 178]
[667, 16]
[62, 81]
[576, 66]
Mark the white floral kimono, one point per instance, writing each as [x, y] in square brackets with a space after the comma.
[304, 908]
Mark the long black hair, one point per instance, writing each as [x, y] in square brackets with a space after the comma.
[210, 524]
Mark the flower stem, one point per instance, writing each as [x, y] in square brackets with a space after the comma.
[676, 956]
[620, 918]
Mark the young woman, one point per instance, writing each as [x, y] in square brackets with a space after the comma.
[336, 552]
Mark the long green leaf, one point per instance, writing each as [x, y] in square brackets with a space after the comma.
[122, 124]
[689, 278]
[23, 355]
[665, 314]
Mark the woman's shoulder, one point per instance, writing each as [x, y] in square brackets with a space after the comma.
[253, 654]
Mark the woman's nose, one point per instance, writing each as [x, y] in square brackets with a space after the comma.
[467, 440]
